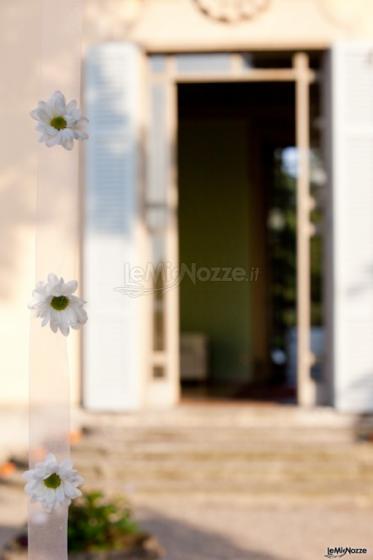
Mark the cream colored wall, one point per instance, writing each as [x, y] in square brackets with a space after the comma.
[174, 25]
[17, 190]
[286, 24]
[19, 93]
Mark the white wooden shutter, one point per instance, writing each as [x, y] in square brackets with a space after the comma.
[352, 175]
[112, 348]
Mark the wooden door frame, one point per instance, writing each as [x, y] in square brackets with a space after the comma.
[302, 76]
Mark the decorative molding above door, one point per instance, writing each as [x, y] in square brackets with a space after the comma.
[232, 11]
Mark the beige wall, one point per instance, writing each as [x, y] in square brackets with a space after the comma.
[17, 190]
[161, 25]
[20, 43]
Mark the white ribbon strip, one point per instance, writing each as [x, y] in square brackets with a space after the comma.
[56, 251]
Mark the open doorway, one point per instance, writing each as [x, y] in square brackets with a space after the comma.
[237, 240]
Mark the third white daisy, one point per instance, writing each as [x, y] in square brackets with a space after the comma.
[52, 483]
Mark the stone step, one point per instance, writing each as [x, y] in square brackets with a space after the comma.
[261, 449]
[239, 469]
[225, 414]
[223, 436]
[323, 459]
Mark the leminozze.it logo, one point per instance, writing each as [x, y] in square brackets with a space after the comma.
[165, 275]
[340, 551]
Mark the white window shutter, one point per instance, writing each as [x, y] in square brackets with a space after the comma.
[352, 199]
[112, 336]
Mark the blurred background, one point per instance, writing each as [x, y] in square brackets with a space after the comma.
[224, 381]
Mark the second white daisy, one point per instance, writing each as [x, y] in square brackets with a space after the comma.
[52, 483]
[55, 303]
[58, 122]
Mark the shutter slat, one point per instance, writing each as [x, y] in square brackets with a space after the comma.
[112, 377]
[352, 101]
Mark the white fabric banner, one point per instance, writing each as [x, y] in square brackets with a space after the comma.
[57, 243]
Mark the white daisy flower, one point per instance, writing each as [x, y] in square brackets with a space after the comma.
[52, 483]
[55, 303]
[59, 123]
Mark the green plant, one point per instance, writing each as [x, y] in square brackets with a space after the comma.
[97, 524]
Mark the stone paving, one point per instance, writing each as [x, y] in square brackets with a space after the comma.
[231, 482]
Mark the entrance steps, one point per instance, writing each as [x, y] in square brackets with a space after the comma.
[248, 453]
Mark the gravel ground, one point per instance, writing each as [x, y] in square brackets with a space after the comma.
[230, 532]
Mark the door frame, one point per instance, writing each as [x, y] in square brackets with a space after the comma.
[167, 73]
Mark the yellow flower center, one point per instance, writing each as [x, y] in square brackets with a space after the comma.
[59, 303]
[53, 481]
[58, 122]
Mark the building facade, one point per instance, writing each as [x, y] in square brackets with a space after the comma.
[222, 132]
